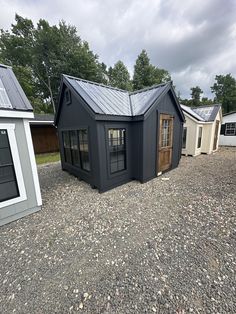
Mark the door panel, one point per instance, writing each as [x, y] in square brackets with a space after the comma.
[216, 135]
[165, 145]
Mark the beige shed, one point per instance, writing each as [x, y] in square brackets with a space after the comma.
[201, 129]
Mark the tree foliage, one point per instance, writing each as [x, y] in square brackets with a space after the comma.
[39, 55]
[146, 74]
[196, 95]
[119, 76]
[225, 92]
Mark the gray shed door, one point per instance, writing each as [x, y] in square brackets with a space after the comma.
[8, 183]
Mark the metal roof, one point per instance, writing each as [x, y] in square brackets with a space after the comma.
[142, 100]
[203, 113]
[191, 112]
[113, 101]
[14, 92]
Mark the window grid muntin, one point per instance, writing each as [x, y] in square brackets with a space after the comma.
[230, 128]
[166, 133]
[76, 148]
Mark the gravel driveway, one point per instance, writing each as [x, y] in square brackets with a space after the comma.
[167, 246]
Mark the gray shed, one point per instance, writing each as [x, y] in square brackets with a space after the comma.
[19, 185]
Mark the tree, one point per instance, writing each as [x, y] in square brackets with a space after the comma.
[39, 55]
[119, 76]
[206, 101]
[225, 92]
[146, 74]
[196, 95]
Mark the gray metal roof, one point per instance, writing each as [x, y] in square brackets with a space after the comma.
[14, 92]
[190, 111]
[142, 100]
[203, 113]
[113, 101]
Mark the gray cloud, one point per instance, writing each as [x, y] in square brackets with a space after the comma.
[193, 39]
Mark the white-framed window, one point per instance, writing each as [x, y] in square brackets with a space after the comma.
[230, 128]
[199, 139]
[12, 187]
[184, 137]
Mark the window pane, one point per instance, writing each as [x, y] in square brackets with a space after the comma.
[8, 183]
[5, 156]
[85, 161]
[117, 149]
[8, 191]
[66, 139]
[7, 174]
[84, 149]
[230, 128]
[3, 139]
[199, 137]
[165, 133]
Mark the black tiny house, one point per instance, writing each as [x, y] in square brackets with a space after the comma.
[109, 136]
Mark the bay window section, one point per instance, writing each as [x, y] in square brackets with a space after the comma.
[76, 148]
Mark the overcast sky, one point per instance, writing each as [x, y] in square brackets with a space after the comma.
[193, 39]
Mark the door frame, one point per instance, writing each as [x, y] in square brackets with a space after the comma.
[216, 136]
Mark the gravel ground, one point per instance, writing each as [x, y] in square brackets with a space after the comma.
[167, 246]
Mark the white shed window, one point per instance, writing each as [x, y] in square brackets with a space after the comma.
[184, 137]
[8, 184]
[199, 140]
[230, 128]
[12, 188]
[4, 100]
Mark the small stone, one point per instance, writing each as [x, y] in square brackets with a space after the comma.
[86, 295]
[66, 287]
[165, 179]
[154, 309]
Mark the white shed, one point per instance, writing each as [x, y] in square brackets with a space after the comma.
[19, 185]
[201, 129]
[228, 129]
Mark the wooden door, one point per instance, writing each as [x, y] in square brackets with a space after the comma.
[165, 145]
[216, 135]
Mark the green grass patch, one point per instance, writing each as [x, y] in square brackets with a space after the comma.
[47, 158]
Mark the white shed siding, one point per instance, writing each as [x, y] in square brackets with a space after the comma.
[191, 139]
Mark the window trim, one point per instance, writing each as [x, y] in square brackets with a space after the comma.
[17, 166]
[67, 99]
[89, 148]
[226, 128]
[199, 127]
[185, 128]
[116, 126]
